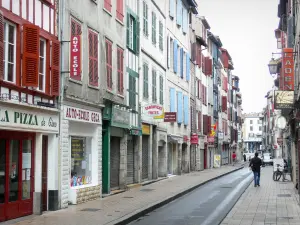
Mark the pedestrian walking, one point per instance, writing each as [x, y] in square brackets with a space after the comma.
[245, 158]
[255, 164]
[233, 158]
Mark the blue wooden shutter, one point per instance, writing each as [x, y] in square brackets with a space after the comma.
[186, 109]
[181, 62]
[187, 67]
[184, 20]
[172, 8]
[175, 56]
[179, 13]
[172, 100]
[179, 107]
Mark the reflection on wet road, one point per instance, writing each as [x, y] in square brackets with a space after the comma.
[207, 205]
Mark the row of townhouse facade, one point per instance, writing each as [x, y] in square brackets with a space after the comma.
[85, 91]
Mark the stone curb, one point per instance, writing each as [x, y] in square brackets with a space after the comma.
[139, 213]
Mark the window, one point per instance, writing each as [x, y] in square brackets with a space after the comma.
[183, 61]
[145, 18]
[251, 121]
[93, 58]
[154, 93]
[146, 80]
[161, 47]
[171, 53]
[109, 64]
[42, 65]
[153, 28]
[120, 62]
[81, 173]
[251, 128]
[120, 9]
[259, 128]
[161, 89]
[133, 37]
[9, 62]
[107, 5]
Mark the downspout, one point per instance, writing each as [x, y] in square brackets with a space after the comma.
[61, 20]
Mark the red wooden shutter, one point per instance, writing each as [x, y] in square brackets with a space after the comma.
[205, 95]
[30, 64]
[199, 88]
[1, 46]
[208, 124]
[55, 72]
[109, 64]
[205, 124]
[199, 121]
[120, 14]
[202, 63]
[120, 63]
[202, 93]
[93, 58]
[107, 5]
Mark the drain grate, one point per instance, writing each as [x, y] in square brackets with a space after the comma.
[147, 190]
[225, 187]
[284, 195]
[90, 210]
[128, 197]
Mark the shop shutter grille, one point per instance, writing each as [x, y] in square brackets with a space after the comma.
[130, 162]
[170, 157]
[114, 162]
[193, 158]
[201, 159]
[145, 157]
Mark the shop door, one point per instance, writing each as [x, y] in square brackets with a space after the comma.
[202, 160]
[44, 173]
[170, 157]
[145, 157]
[16, 169]
[130, 162]
[183, 162]
[114, 162]
[205, 156]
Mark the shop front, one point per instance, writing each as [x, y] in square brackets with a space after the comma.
[211, 151]
[81, 136]
[201, 159]
[185, 155]
[194, 148]
[174, 144]
[146, 152]
[28, 160]
[162, 154]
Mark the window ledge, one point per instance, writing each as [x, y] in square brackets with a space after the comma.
[108, 12]
[75, 81]
[110, 91]
[93, 87]
[121, 95]
[119, 21]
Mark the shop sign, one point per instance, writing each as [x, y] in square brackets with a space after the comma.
[279, 141]
[284, 99]
[221, 135]
[185, 138]
[170, 117]
[202, 142]
[288, 69]
[155, 111]
[75, 57]
[28, 120]
[120, 117]
[146, 129]
[211, 140]
[194, 139]
[135, 132]
[82, 115]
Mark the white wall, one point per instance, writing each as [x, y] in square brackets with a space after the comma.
[256, 123]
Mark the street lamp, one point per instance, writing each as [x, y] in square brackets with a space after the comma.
[273, 66]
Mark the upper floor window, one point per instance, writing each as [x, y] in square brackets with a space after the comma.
[9, 60]
[132, 38]
[131, 31]
[251, 121]
[120, 9]
[145, 18]
[42, 65]
[109, 64]
[251, 128]
[120, 59]
[107, 5]
[93, 58]
[153, 28]
[161, 37]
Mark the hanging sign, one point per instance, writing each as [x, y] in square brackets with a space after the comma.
[170, 117]
[75, 57]
[155, 111]
[288, 69]
[194, 139]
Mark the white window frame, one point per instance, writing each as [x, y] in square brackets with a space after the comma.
[44, 69]
[171, 54]
[131, 30]
[5, 42]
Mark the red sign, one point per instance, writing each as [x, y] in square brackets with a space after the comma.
[288, 69]
[170, 117]
[279, 141]
[185, 138]
[194, 139]
[210, 139]
[75, 58]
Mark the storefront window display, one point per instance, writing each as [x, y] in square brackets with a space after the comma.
[81, 161]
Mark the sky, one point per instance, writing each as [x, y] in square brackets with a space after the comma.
[246, 29]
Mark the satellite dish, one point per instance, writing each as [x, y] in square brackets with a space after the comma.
[281, 122]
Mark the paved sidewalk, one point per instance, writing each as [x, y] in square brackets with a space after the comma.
[273, 203]
[117, 208]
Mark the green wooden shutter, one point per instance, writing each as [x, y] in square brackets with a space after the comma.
[137, 36]
[128, 30]
[145, 89]
[153, 28]
[160, 35]
[134, 92]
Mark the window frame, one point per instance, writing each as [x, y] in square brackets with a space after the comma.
[145, 19]
[6, 24]
[44, 65]
[108, 63]
[120, 70]
[161, 35]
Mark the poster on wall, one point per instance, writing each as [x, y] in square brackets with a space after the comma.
[217, 161]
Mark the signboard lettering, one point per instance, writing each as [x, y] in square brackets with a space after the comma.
[146, 129]
[82, 115]
[194, 139]
[288, 69]
[170, 117]
[155, 111]
[75, 52]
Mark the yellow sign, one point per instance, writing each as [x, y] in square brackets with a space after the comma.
[146, 129]
[162, 116]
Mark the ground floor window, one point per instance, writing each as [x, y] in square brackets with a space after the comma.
[81, 161]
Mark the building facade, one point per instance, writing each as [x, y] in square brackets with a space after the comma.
[29, 86]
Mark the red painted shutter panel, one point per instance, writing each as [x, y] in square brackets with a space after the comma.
[55, 72]
[120, 14]
[95, 68]
[202, 63]
[1, 46]
[209, 124]
[30, 64]
[107, 5]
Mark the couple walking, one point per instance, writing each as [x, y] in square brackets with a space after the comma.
[255, 165]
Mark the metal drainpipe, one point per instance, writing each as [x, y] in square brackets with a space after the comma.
[61, 19]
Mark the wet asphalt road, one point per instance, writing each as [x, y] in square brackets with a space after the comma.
[207, 205]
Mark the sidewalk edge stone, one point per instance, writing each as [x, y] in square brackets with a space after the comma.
[139, 213]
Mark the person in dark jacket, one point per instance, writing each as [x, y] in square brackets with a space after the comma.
[245, 158]
[255, 164]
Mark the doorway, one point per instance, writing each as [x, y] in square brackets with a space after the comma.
[16, 174]
[45, 173]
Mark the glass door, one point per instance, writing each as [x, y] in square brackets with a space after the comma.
[14, 149]
[2, 170]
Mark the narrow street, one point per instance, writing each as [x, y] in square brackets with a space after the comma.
[207, 205]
